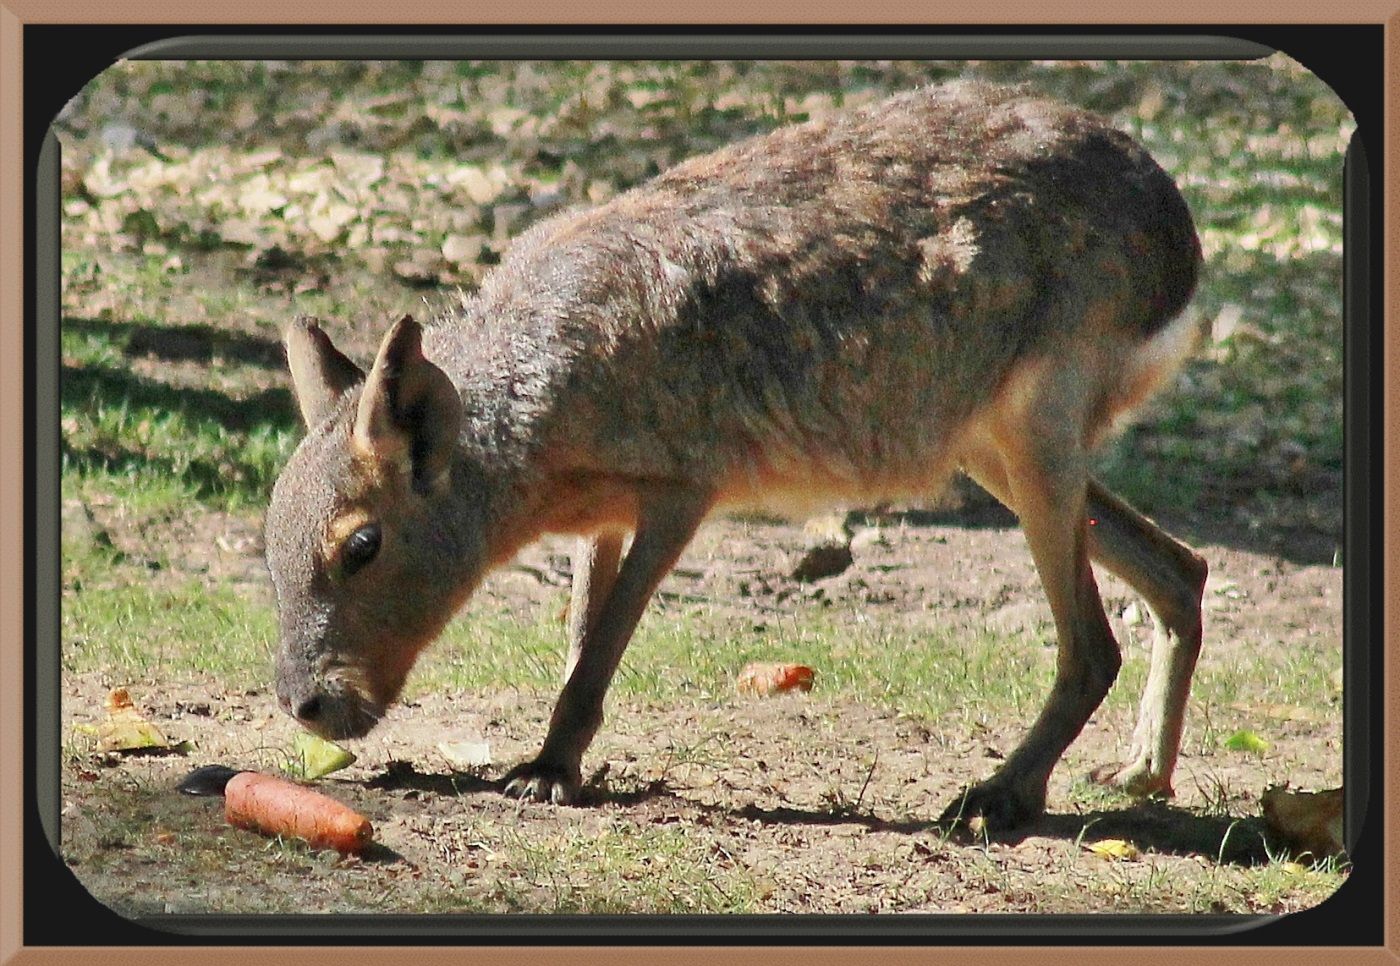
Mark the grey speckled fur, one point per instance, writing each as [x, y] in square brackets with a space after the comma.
[847, 309]
[841, 292]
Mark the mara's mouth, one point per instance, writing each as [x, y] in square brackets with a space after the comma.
[340, 698]
[339, 717]
[338, 706]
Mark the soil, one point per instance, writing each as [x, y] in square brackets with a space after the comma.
[810, 802]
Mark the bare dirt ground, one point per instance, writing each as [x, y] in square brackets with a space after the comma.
[799, 803]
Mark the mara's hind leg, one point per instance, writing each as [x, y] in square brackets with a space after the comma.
[1042, 477]
[1171, 578]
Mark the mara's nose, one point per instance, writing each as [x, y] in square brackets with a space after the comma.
[303, 703]
[309, 710]
[325, 711]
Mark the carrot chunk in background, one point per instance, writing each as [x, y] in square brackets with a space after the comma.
[765, 679]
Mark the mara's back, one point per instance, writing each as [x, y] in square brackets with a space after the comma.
[827, 307]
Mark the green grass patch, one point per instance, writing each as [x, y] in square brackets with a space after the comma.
[130, 630]
[696, 656]
[657, 870]
[130, 432]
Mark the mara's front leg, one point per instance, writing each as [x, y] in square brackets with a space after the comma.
[667, 518]
[595, 563]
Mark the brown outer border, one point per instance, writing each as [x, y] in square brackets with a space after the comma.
[15, 13]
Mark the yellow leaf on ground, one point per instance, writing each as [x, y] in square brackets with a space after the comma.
[1245, 740]
[1116, 849]
[125, 729]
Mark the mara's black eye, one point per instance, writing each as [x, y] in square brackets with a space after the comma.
[359, 549]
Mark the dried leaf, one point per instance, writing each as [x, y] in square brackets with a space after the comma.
[1310, 822]
[129, 734]
[100, 182]
[481, 188]
[241, 232]
[125, 729]
[1226, 321]
[1115, 849]
[420, 268]
[361, 170]
[261, 159]
[330, 220]
[462, 249]
[258, 197]
[311, 180]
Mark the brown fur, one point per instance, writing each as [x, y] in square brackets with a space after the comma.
[848, 309]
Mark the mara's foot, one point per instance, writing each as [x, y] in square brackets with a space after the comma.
[544, 781]
[997, 804]
[1135, 778]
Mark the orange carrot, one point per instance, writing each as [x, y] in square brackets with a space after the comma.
[764, 679]
[274, 806]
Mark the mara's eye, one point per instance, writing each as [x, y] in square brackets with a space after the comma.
[359, 549]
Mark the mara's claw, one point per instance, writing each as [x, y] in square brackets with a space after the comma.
[539, 781]
[1000, 804]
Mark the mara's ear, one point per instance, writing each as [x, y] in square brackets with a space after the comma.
[320, 373]
[410, 411]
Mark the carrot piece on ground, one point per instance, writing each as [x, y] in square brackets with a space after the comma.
[766, 679]
[274, 806]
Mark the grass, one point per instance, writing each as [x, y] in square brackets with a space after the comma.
[129, 432]
[335, 189]
[695, 657]
[135, 632]
[653, 870]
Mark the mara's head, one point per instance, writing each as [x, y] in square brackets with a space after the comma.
[369, 548]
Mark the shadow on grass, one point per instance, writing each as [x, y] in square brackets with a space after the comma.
[207, 478]
[1198, 516]
[185, 343]
[211, 453]
[1208, 521]
[110, 387]
[402, 776]
[1151, 826]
